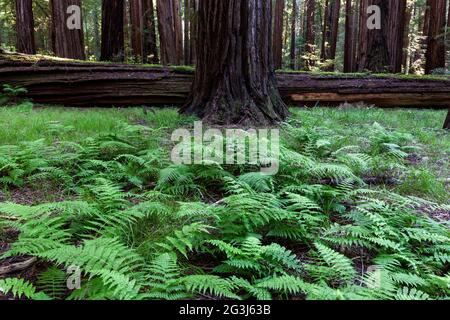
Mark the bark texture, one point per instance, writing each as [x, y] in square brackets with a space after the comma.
[310, 37]
[331, 29]
[278, 34]
[235, 82]
[381, 50]
[435, 57]
[349, 54]
[150, 43]
[169, 25]
[67, 43]
[25, 27]
[137, 29]
[112, 30]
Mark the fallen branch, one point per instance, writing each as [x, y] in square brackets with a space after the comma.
[16, 267]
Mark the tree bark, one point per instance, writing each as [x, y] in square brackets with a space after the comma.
[310, 33]
[331, 29]
[381, 49]
[235, 83]
[169, 24]
[349, 54]
[67, 43]
[25, 27]
[435, 56]
[193, 31]
[112, 30]
[187, 27]
[278, 34]
[150, 44]
[293, 34]
[396, 34]
[137, 29]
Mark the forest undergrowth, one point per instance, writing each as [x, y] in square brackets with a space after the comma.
[359, 209]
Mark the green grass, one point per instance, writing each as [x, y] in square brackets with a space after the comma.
[22, 123]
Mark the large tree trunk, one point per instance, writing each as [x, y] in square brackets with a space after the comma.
[331, 29]
[169, 24]
[435, 44]
[278, 34]
[235, 82]
[112, 30]
[310, 33]
[150, 45]
[381, 49]
[67, 43]
[137, 29]
[25, 27]
[396, 34]
[349, 54]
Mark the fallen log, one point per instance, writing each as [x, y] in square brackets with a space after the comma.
[72, 83]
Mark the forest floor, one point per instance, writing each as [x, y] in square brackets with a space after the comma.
[117, 161]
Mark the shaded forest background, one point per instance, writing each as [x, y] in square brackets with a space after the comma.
[314, 35]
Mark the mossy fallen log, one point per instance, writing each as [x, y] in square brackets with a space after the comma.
[75, 83]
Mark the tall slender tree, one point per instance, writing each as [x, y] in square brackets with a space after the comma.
[137, 29]
[435, 57]
[67, 29]
[25, 27]
[235, 82]
[187, 27]
[112, 30]
[349, 54]
[278, 34]
[331, 29]
[150, 43]
[170, 31]
[310, 37]
[293, 34]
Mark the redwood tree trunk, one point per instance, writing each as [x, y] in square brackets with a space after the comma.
[169, 24]
[235, 82]
[187, 27]
[112, 30]
[331, 29]
[349, 54]
[25, 27]
[150, 46]
[381, 49]
[67, 43]
[278, 34]
[137, 29]
[293, 34]
[435, 57]
[310, 33]
[396, 34]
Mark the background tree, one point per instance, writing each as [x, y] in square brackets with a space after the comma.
[310, 37]
[25, 26]
[349, 54]
[150, 43]
[67, 42]
[112, 30]
[293, 34]
[330, 31]
[235, 82]
[278, 34]
[170, 32]
[435, 57]
[137, 29]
